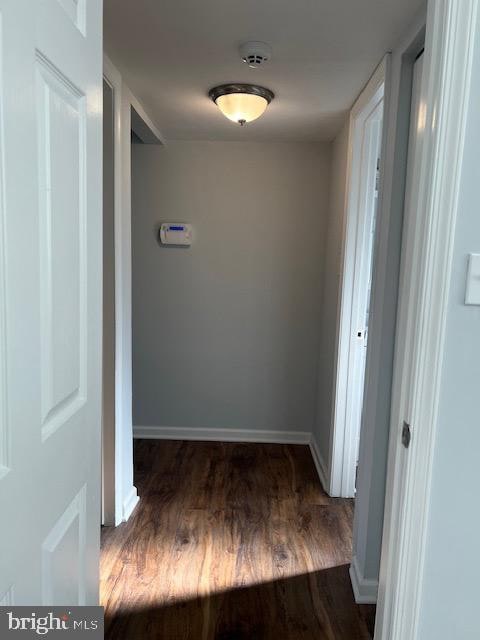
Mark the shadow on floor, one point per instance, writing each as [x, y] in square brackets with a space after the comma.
[315, 606]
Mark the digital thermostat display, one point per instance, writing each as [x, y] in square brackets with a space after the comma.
[176, 233]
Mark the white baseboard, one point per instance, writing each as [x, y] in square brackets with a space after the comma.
[319, 463]
[222, 435]
[365, 591]
[130, 503]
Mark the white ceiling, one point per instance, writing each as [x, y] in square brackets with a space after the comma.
[172, 52]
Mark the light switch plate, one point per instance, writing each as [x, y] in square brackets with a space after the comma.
[472, 294]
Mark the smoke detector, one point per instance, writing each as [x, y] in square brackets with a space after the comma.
[255, 54]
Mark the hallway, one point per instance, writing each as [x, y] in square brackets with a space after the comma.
[230, 542]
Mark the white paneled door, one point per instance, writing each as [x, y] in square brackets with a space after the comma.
[50, 300]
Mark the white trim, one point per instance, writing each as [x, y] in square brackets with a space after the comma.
[114, 80]
[447, 74]
[364, 590]
[370, 89]
[221, 435]
[319, 463]
[130, 503]
[344, 432]
[123, 100]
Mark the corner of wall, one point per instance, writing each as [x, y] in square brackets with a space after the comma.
[129, 503]
[320, 464]
[333, 242]
[364, 590]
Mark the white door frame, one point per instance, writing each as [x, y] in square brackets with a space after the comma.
[127, 113]
[111, 467]
[345, 430]
[446, 83]
[120, 503]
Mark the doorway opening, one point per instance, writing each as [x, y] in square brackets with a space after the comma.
[150, 455]
[372, 224]
[125, 123]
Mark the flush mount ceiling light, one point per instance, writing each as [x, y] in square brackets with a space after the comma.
[241, 103]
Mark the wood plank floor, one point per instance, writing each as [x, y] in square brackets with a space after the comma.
[230, 542]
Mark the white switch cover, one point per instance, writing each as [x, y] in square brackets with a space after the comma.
[472, 294]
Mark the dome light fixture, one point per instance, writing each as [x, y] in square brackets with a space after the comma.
[241, 103]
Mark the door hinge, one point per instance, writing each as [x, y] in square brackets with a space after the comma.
[406, 435]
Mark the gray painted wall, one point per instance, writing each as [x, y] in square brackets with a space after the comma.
[450, 590]
[331, 293]
[226, 333]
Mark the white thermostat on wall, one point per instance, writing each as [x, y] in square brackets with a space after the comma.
[176, 233]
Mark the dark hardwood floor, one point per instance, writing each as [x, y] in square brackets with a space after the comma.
[230, 542]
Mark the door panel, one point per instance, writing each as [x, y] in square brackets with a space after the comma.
[50, 300]
[63, 555]
[75, 10]
[61, 161]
